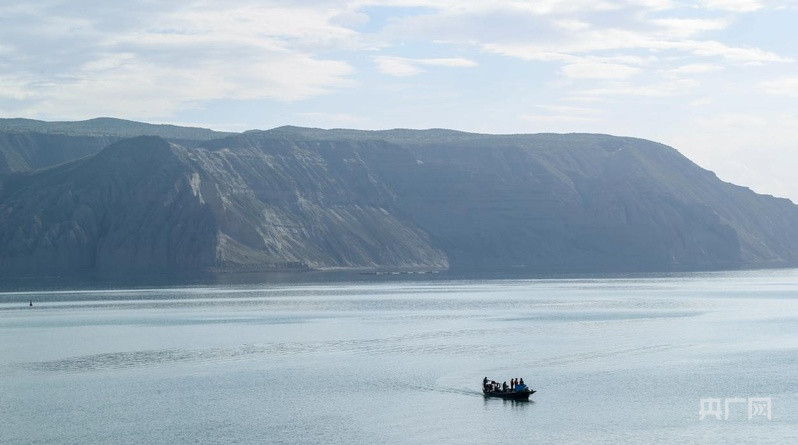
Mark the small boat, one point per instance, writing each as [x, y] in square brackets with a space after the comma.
[510, 395]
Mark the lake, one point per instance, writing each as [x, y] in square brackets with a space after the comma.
[614, 359]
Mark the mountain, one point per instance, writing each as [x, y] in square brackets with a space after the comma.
[296, 198]
[106, 126]
[144, 205]
[25, 151]
[27, 144]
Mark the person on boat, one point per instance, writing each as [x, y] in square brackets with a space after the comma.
[522, 381]
[504, 386]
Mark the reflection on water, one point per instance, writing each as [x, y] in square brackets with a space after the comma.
[619, 359]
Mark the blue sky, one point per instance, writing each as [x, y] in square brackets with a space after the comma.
[716, 79]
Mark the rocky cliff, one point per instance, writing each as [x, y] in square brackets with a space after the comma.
[294, 198]
[145, 205]
[130, 208]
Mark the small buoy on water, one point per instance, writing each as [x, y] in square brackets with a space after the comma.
[31, 303]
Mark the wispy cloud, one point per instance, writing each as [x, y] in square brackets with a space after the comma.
[164, 57]
[402, 66]
[685, 28]
[598, 70]
[584, 42]
[658, 89]
[620, 41]
[693, 68]
[148, 60]
[733, 5]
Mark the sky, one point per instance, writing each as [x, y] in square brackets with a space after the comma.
[715, 79]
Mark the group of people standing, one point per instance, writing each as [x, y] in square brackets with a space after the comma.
[492, 386]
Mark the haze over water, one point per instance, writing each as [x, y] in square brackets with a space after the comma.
[613, 360]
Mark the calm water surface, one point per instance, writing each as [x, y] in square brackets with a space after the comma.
[613, 360]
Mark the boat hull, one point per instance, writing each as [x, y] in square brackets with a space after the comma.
[510, 395]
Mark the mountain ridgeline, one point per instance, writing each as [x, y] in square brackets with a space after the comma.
[27, 144]
[398, 200]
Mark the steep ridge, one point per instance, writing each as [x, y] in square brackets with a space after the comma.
[129, 209]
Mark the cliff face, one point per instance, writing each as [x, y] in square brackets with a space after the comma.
[564, 203]
[144, 205]
[294, 198]
[131, 208]
[315, 205]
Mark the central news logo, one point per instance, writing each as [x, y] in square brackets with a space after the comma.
[757, 407]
